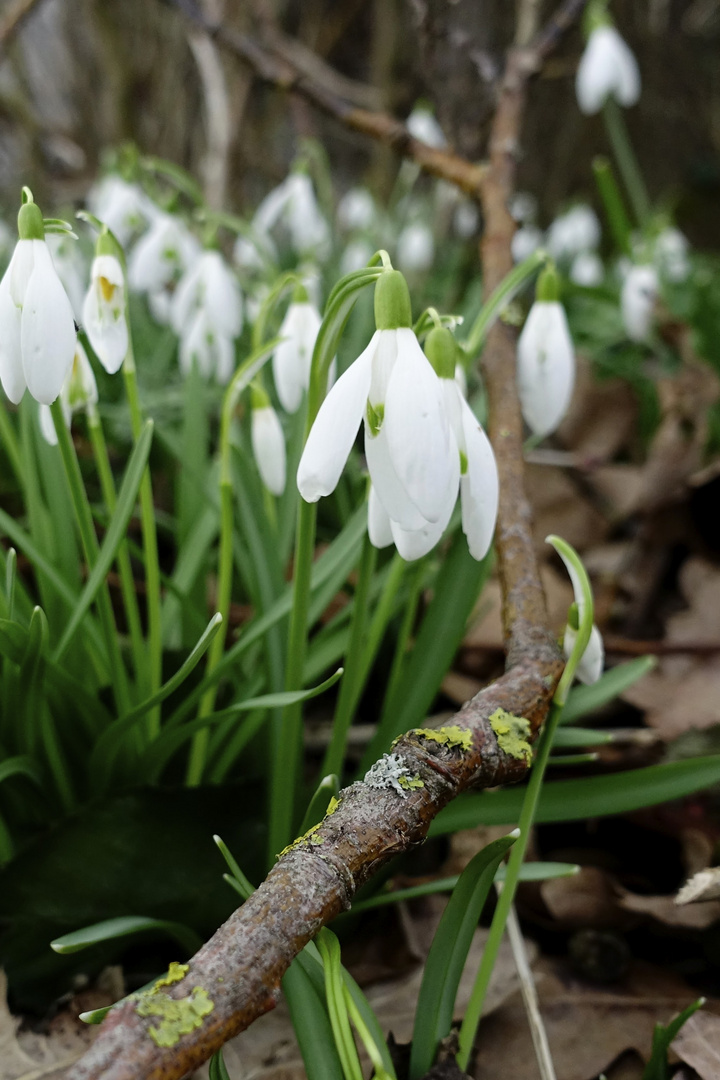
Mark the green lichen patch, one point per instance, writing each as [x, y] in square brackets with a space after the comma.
[177, 1016]
[512, 733]
[308, 837]
[447, 736]
[176, 972]
[410, 783]
[332, 806]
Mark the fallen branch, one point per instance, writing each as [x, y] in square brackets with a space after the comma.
[13, 18]
[236, 976]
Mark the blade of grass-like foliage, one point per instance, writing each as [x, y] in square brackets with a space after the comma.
[190, 560]
[657, 1067]
[576, 736]
[169, 740]
[448, 953]
[125, 926]
[586, 699]
[20, 765]
[304, 990]
[457, 588]
[105, 748]
[534, 871]
[127, 498]
[245, 887]
[31, 681]
[218, 1069]
[191, 486]
[595, 796]
[365, 1013]
[326, 790]
[329, 948]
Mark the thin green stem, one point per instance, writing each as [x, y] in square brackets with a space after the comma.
[127, 580]
[350, 685]
[508, 288]
[613, 203]
[91, 548]
[383, 613]
[468, 1029]
[12, 446]
[401, 647]
[626, 161]
[150, 548]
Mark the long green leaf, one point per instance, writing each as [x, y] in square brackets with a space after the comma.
[127, 498]
[657, 1067]
[125, 926]
[304, 990]
[448, 953]
[20, 765]
[586, 699]
[595, 796]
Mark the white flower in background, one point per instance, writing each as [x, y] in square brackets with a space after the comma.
[293, 355]
[415, 248]
[637, 301]
[268, 442]
[526, 242]
[587, 269]
[37, 328]
[123, 207]
[248, 254]
[356, 210]
[577, 230]
[670, 255]
[292, 207]
[422, 125]
[545, 360]
[211, 285]
[524, 207]
[71, 269]
[212, 351]
[607, 68]
[355, 256]
[165, 251]
[411, 455]
[104, 314]
[466, 219]
[79, 391]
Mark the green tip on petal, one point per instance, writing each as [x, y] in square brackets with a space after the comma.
[300, 294]
[596, 15]
[548, 286]
[393, 309]
[108, 244]
[30, 222]
[441, 351]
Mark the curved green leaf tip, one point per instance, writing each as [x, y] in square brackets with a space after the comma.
[512, 734]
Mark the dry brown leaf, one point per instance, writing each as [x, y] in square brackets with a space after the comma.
[705, 885]
[602, 418]
[559, 506]
[698, 1044]
[588, 1027]
[587, 898]
[667, 911]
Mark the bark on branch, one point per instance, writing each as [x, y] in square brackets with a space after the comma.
[240, 968]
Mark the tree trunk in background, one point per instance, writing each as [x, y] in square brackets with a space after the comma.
[83, 75]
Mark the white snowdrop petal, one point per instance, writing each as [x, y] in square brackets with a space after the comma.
[387, 487]
[11, 369]
[47, 329]
[379, 529]
[607, 66]
[545, 367]
[333, 433]
[268, 443]
[20, 268]
[479, 487]
[47, 425]
[184, 300]
[637, 301]
[224, 362]
[422, 451]
[415, 248]
[592, 660]
[414, 543]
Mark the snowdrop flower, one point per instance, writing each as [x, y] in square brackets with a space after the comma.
[607, 68]
[104, 310]
[545, 360]
[587, 269]
[524, 207]
[411, 454]
[415, 248]
[637, 301]
[247, 254]
[293, 206]
[268, 442]
[208, 284]
[37, 328]
[591, 663]
[356, 210]
[575, 231]
[124, 207]
[466, 219]
[79, 391]
[293, 355]
[356, 255]
[671, 254]
[526, 242]
[211, 350]
[165, 251]
[422, 125]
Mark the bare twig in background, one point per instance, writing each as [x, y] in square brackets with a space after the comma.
[240, 968]
[218, 128]
[12, 18]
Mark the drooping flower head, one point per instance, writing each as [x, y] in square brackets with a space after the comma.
[37, 328]
[608, 67]
[292, 208]
[293, 355]
[268, 441]
[392, 387]
[105, 308]
[637, 301]
[545, 359]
